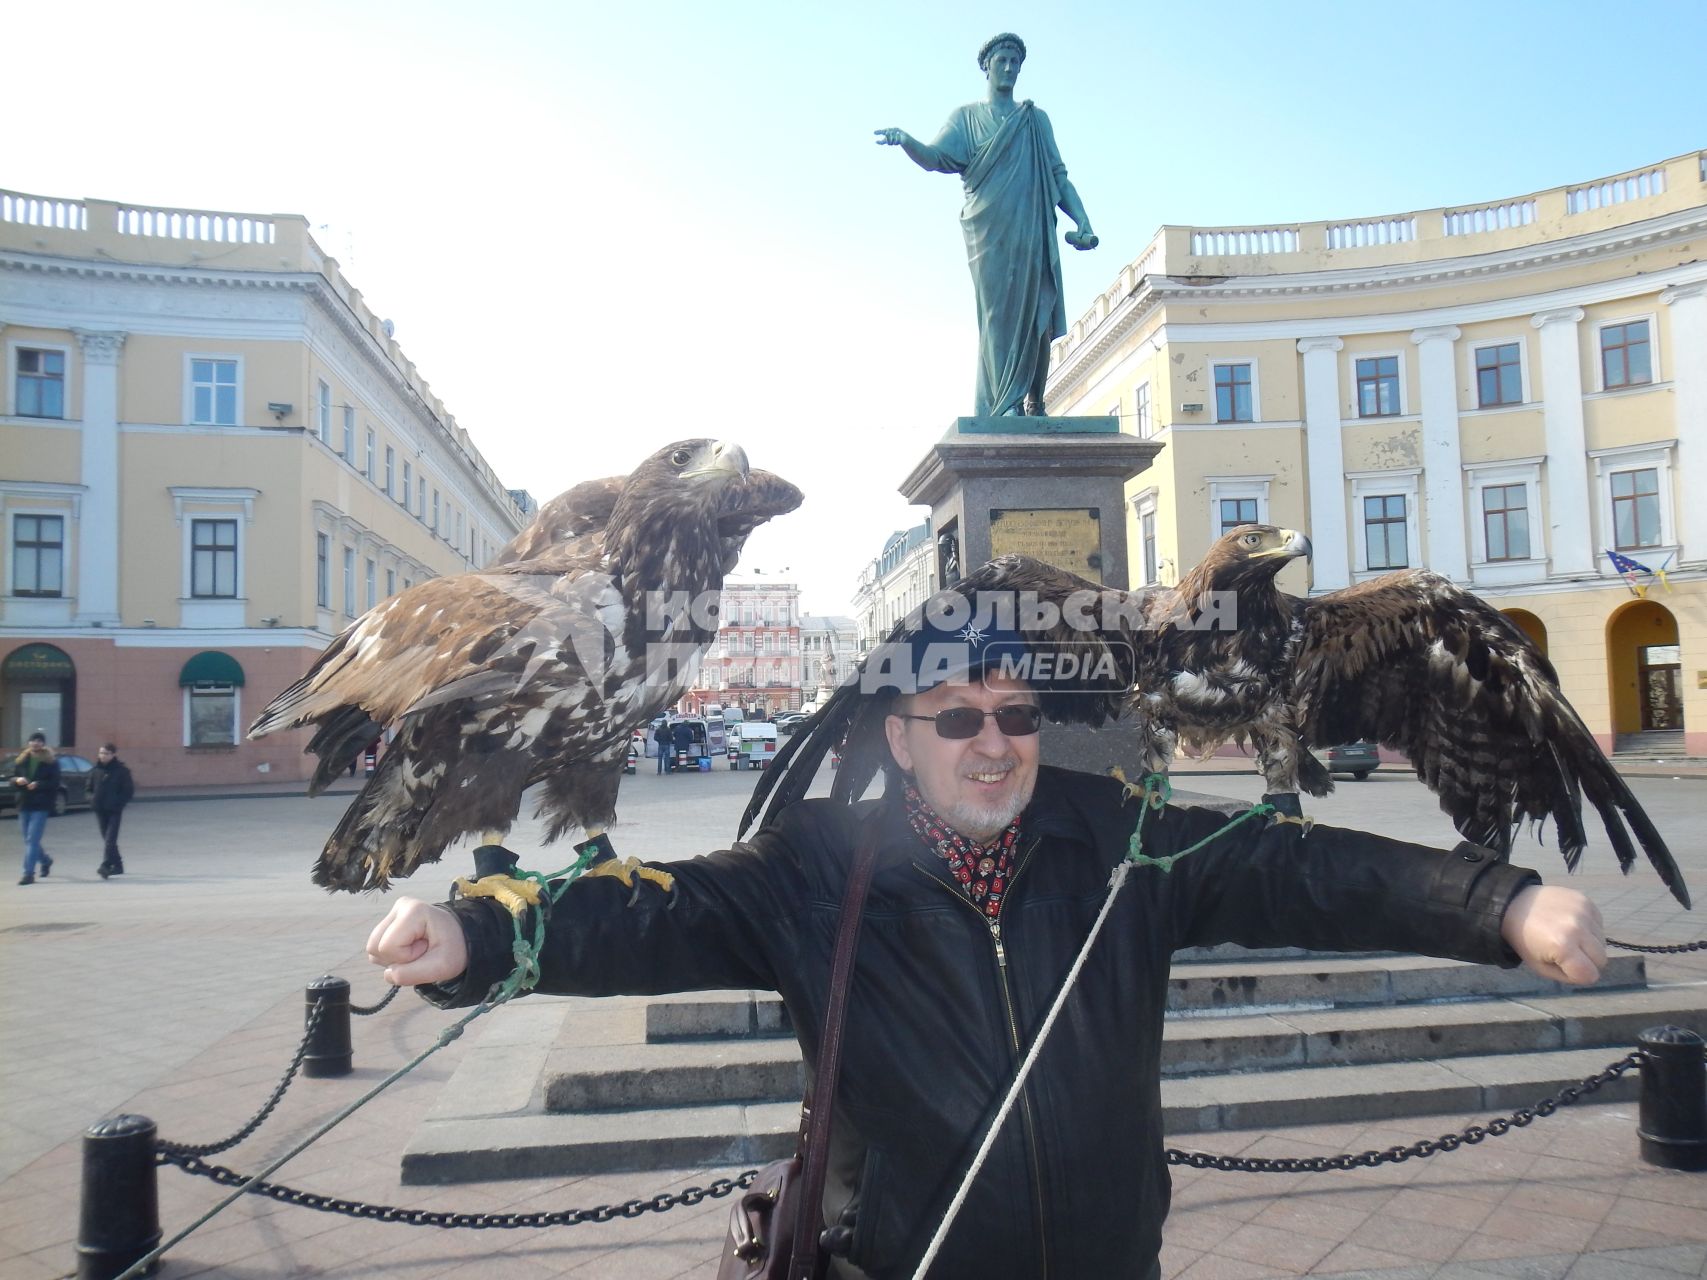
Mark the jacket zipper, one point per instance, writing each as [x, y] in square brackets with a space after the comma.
[1018, 1049]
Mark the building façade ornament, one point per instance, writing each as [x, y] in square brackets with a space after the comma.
[100, 346]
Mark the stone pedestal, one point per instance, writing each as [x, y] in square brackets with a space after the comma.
[1053, 488]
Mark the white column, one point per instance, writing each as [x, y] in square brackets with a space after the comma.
[1330, 566]
[1443, 458]
[1688, 359]
[1570, 528]
[98, 527]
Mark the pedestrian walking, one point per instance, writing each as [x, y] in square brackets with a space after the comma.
[35, 774]
[111, 788]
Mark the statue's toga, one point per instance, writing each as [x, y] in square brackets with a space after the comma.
[1015, 180]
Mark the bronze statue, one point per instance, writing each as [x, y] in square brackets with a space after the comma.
[1005, 153]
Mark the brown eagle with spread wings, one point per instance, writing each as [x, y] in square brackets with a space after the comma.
[536, 669]
[1406, 659]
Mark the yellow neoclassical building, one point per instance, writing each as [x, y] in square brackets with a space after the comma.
[215, 456]
[1505, 393]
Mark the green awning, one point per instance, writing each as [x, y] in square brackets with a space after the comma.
[211, 667]
[37, 662]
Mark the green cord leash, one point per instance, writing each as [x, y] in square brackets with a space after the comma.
[1156, 793]
[521, 979]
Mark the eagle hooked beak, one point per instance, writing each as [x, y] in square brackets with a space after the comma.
[1295, 545]
[728, 461]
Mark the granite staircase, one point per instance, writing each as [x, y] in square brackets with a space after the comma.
[1253, 1040]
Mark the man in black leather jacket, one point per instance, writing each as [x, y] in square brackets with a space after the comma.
[990, 873]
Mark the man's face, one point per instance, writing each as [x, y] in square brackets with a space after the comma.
[1003, 66]
[104, 756]
[978, 784]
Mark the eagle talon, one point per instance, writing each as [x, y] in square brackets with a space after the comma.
[515, 896]
[631, 872]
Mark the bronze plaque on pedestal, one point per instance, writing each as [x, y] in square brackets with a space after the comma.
[1069, 537]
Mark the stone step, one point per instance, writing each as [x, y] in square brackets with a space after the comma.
[732, 1137]
[1197, 988]
[1344, 1037]
[619, 1077]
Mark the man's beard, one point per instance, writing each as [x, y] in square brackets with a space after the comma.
[983, 820]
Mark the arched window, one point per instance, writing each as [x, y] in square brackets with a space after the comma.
[38, 690]
[210, 682]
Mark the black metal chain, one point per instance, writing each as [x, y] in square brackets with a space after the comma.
[445, 1218]
[190, 1162]
[1469, 1136]
[1676, 948]
[193, 1149]
[364, 1010]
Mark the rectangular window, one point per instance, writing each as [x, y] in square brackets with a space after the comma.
[1141, 411]
[390, 583]
[390, 471]
[1505, 519]
[1636, 509]
[408, 483]
[407, 583]
[213, 715]
[213, 559]
[349, 449]
[1625, 358]
[1233, 393]
[1499, 376]
[421, 499]
[1384, 531]
[367, 458]
[1378, 387]
[1237, 511]
[350, 581]
[38, 555]
[368, 582]
[435, 510]
[459, 531]
[213, 393]
[1147, 536]
[322, 571]
[41, 383]
[323, 405]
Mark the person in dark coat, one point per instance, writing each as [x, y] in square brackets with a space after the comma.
[682, 735]
[35, 774]
[990, 874]
[111, 789]
[661, 735]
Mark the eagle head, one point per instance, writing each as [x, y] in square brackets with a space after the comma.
[1252, 553]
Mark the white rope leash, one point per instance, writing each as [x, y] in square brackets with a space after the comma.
[1114, 883]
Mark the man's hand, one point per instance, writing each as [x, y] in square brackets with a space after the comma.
[890, 137]
[1557, 933]
[1083, 238]
[418, 942]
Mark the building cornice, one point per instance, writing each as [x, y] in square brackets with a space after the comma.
[1151, 292]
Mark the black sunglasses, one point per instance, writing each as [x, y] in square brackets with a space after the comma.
[1017, 720]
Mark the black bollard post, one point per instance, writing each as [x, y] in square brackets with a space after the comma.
[119, 1220]
[1673, 1124]
[328, 1051]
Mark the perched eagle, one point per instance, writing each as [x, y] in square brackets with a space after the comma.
[1407, 660]
[536, 670]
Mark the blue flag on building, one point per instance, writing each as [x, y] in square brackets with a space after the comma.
[1631, 568]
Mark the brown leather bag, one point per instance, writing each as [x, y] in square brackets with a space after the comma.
[773, 1228]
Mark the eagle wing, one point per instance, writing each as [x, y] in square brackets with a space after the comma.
[1415, 663]
[574, 513]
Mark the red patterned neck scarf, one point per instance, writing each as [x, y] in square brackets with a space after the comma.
[982, 870]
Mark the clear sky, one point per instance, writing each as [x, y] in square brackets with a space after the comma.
[600, 228]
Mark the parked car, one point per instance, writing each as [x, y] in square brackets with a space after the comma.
[756, 747]
[1359, 759]
[73, 784]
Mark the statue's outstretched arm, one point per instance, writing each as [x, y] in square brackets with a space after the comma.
[923, 154]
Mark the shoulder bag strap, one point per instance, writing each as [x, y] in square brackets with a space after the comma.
[803, 1265]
